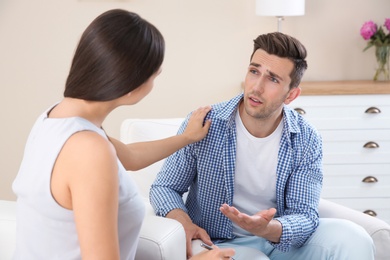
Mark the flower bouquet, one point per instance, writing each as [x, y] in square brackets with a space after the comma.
[377, 37]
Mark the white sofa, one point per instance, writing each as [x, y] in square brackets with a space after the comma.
[164, 239]
[134, 130]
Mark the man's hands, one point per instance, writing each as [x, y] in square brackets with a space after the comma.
[260, 224]
[195, 232]
[192, 231]
[196, 130]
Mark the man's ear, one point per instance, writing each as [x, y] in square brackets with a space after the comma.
[293, 94]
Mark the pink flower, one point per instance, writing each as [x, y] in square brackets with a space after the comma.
[376, 35]
[368, 29]
[387, 24]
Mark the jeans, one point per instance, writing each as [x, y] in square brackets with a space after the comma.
[336, 239]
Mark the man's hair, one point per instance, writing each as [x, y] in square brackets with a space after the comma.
[284, 46]
[117, 53]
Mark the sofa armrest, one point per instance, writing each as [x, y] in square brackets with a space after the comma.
[376, 228]
[7, 228]
[161, 238]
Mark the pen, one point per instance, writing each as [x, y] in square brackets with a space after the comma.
[210, 248]
[206, 246]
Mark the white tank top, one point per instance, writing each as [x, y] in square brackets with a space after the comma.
[255, 174]
[45, 230]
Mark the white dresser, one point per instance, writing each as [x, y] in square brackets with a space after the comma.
[353, 118]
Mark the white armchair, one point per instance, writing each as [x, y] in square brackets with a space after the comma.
[164, 239]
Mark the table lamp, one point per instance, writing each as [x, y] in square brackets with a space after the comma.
[280, 9]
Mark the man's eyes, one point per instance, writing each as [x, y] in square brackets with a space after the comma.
[273, 79]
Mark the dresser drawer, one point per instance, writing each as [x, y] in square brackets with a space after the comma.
[356, 180]
[378, 206]
[344, 101]
[358, 170]
[356, 186]
[361, 135]
[345, 112]
[350, 123]
[356, 146]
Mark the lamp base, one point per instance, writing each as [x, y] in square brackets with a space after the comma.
[280, 19]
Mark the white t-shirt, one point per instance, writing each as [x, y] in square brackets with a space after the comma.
[255, 174]
[45, 230]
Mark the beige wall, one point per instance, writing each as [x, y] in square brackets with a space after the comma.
[208, 48]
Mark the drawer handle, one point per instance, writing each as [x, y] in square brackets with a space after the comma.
[373, 110]
[370, 179]
[370, 212]
[371, 145]
[300, 111]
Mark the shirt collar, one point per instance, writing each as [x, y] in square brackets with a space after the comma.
[290, 120]
[290, 117]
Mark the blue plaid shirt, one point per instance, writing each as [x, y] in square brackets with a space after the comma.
[207, 169]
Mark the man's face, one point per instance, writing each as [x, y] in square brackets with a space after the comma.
[267, 86]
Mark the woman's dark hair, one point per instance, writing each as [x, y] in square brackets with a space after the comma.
[117, 53]
[284, 46]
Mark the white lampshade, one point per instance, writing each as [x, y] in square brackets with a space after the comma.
[280, 7]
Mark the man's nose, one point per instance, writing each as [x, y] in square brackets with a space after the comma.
[258, 85]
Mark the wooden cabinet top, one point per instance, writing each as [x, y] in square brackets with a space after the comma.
[347, 87]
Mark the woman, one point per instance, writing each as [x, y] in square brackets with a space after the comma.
[74, 198]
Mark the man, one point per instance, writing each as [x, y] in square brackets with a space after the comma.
[255, 180]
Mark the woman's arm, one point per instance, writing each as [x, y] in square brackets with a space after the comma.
[136, 156]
